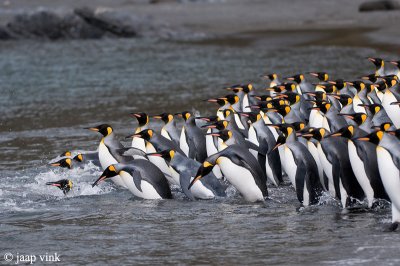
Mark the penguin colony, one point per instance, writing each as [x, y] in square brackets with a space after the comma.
[334, 136]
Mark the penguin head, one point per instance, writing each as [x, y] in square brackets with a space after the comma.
[384, 126]
[316, 133]
[142, 118]
[346, 132]
[262, 98]
[168, 155]
[225, 134]
[291, 96]
[220, 125]
[380, 85]
[253, 116]
[374, 137]
[395, 133]
[283, 110]
[328, 88]
[110, 171]
[296, 78]
[378, 62]
[231, 98]
[358, 85]
[279, 142]
[319, 95]
[359, 118]
[64, 163]
[344, 99]
[322, 76]
[165, 117]
[221, 102]
[391, 80]
[247, 88]
[323, 107]
[145, 134]
[78, 157]
[103, 129]
[277, 88]
[339, 83]
[271, 76]
[286, 129]
[374, 107]
[371, 77]
[300, 125]
[203, 170]
[227, 113]
[64, 184]
[65, 154]
[396, 63]
[210, 119]
[185, 115]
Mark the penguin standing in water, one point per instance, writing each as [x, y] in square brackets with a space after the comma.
[185, 169]
[388, 155]
[169, 130]
[141, 177]
[301, 167]
[87, 157]
[143, 120]
[192, 140]
[64, 184]
[109, 148]
[239, 167]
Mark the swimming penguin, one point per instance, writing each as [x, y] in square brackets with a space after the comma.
[66, 154]
[85, 157]
[363, 160]
[388, 155]
[108, 150]
[192, 141]
[301, 167]
[141, 177]
[169, 130]
[143, 120]
[240, 168]
[63, 163]
[185, 169]
[64, 184]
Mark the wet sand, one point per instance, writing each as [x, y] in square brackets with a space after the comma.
[257, 22]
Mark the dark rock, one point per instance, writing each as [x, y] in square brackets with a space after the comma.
[379, 6]
[4, 34]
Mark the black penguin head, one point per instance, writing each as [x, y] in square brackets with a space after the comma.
[318, 95]
[277, 88]
[298, 125]
[262, 98]
[322, 76]
[142, 118]
[380, 85]
[271, 76]
[203, 170]
[279, 141]
[210, 119]
[253, 116]
[316, 133]
[297, 78]
[223, 134]
[220, 125]
[328, 88]
[291, 96]
[64, 184]
[221, 102]
[165, 117]
[168, 155]
[346, 132]
[78, 157]
[185, 115]
[384, 126]
[103, 129]
[374, 108]
[378, 62]
[66, 154]
[371, 77]
[374, 137]
[227, 113]
[145, 134]
[108, 173]
[231, 98]
[322, 106]
[64, 163]
[339, 83]
[283, 110]
[359, 118]
[396, 63]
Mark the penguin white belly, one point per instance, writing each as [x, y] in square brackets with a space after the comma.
[148, 191]
[317, 120]
[325, 123]
[253, 139]
[281, 151]
[327, 167]
[165, 134]
[174, 178]
[314, 152]
[241, 179]
[291, 167]
[393, 111]
[210, 147]
[391, 180]
[343, 194]
[246, 104]
[139, 143]
[106, 159]
[356, 102]
[306, 195]
[379, 94]
[161, 164]
[359, 171]
[183, 143]
[199, 191]
[238, 121]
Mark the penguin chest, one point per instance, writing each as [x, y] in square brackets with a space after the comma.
[165, 134]
[139, 143]
[253, 138]
[174, 175]
[161, 164]
[241, 179]
[246, 104]
[238, 121]
[290, 166]
[106, 159]
[148, 191]
[327, 167]
[200, 191]
[356, 107]
[314, 152]
[316, 119]
[210, 146]
[359, 171]
[390, 175]
[393, 111]
[183, 142]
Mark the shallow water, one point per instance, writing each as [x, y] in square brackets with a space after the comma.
[50, 91]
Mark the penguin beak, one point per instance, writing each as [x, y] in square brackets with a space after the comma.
[338, 134]
[332, 82]
[276, 146]
[194, 180]
[394, 63]
[178, 114]
[371, 59]
[313, 74]
[306, 135]
[156, 116]
[290, 78]
[209, 126]
[212, 100]
[100, 179]
[133, 136]
[350, 83]
[135, 115]
[154, 154]
[204, 118]
[395, 103]
[280, 96]
[253, 106]
[213, 134]
[92, 128]
[54, 184]
[55, 164]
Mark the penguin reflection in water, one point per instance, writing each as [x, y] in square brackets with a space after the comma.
[64, 184]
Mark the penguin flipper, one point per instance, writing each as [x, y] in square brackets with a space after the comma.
[137, 179]
[299, 179]
[275, 163]
[184, 180]
[336, 177]
[262, 159]
[130, 151]
[253, 146]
